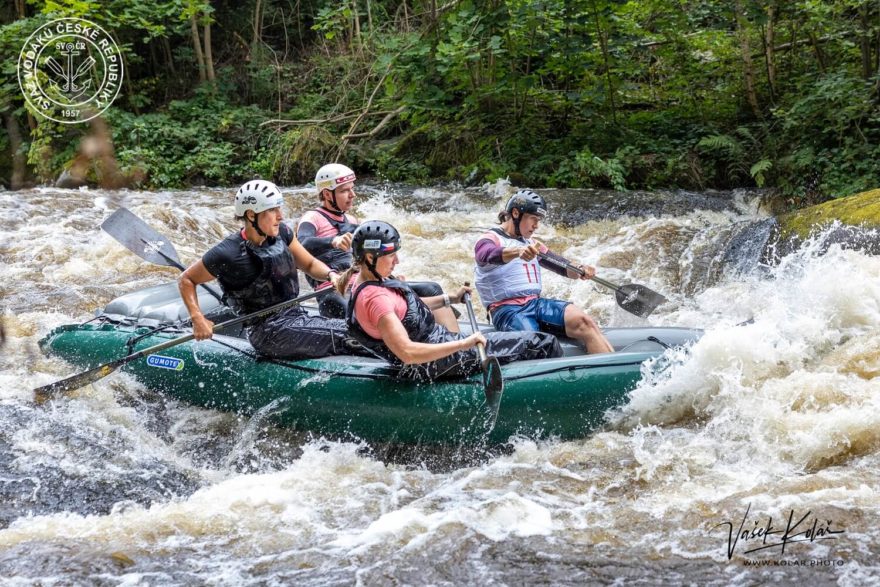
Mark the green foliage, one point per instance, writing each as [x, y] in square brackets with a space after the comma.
[330, 21]
[758, 170]
[51, 147]
[584, 169]
[204, 140]
[604, 93]
[298, 153]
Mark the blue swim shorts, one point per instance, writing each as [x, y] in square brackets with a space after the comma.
[541, 314]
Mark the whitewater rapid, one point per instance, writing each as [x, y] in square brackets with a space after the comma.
[772, 414]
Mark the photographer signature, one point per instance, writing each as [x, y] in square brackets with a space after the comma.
[773, 537]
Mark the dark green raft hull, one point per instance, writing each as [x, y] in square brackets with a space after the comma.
[356, 397]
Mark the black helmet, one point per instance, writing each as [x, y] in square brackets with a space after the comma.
[375, 236]
[527, 202]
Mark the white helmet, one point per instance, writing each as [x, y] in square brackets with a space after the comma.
[257, 195]
[332, 175]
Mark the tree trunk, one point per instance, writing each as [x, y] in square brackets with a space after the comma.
[130, 93]
[209, 59]
[877, 62]
[19, 160]
[877, 44]
[169, 57]
[603, 44]
[258, 24]
[299, 30]
[155, 62]
[865, 43]
[820, 58]
[356, 34]
[197, 46]
[369, 17]
[769, 47]
[748, 70]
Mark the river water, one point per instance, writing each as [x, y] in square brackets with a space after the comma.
[772, 420]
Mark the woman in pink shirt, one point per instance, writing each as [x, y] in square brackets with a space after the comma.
[387, 316]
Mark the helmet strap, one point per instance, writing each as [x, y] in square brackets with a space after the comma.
[255, 225]
[516, 220]
[334, 207]
[371, 265]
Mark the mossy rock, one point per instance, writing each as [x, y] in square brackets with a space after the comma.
[860, 210]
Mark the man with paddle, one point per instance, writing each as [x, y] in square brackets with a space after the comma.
[326, 233]
[257, 268]
[508, 277]
[388, 317]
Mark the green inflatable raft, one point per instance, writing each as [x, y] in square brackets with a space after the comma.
[354, 397]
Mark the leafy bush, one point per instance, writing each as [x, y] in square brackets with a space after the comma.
[203, 140]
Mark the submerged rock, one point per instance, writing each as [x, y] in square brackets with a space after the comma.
[577, 206]
[67, 180]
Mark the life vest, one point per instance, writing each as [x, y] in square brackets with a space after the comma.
[418, 321]
[514, 279]
[335, 259]
[277, 281]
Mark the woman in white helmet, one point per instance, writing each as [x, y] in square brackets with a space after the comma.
[326, 233]
[257, 268]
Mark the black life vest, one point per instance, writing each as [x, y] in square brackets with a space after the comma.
[418, 321]
[277, 281]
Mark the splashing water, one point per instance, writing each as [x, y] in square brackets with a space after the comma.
[774, 411]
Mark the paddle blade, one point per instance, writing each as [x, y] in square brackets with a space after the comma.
[493, 382]
[638, 299]
[56, 69]
[139, 238]
[74, 382]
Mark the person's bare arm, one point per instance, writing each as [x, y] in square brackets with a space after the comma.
[435, 302]
[395, 337]
[314, 267]
[194, 275]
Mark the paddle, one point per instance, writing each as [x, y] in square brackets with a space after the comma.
[139, 237]
[101, 371]
[493, 382]
[632, 297]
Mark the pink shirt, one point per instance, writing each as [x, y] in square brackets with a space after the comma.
[322, 226]
[374, 302]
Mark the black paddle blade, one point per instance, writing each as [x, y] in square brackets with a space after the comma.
[138, 237]
[638, 299]
[45, 392]
[493, 382]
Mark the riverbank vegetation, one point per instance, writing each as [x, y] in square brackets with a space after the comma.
[643, 94]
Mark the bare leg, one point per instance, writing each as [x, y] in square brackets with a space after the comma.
[580, 326]
[445, 317]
